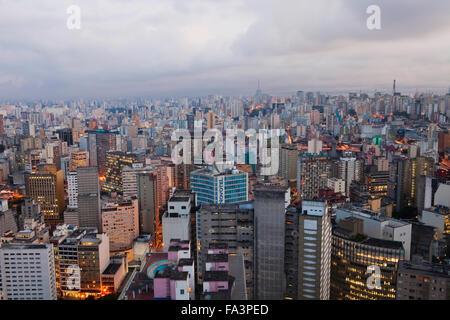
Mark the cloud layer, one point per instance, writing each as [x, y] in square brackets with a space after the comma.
[197, 47]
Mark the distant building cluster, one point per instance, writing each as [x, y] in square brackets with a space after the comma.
[92, 205]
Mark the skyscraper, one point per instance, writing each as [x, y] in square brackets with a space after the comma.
[314, 251]
[115, 162]
[314, 173]
[27, 272]
[269, 229]
[99, 143]
[89, 197]
[288, 162]
[46, 187]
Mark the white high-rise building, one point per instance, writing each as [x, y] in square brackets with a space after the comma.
[176, 221]
[349, 169]
[72, 189]
[27, 272]
[314, 251]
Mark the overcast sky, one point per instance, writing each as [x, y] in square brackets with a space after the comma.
[199, 47]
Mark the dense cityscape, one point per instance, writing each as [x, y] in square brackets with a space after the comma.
[212, 159]
[97, 204]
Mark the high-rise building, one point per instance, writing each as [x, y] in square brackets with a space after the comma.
[314, 251]
[99, 143]
[81, 257]
[88, 197]
[314, 173]
[231, 225]
[72, 189]
[46, 187]
[27, 272]
[120, 221]
[412, 170]
[65, 135]
[115, 162]
[349, 170]
[210, 120]
[78, 159]
[212, 186]
[176, 221]
[288, 162]
[269, 229]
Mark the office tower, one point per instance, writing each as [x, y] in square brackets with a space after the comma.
[78, 159]
[115, 162]
[88, 197]
[176, 221]
[130, 178]
[183, 175]
[53, 150]
[314, 173]
[120, 221]
[149, 203]
[314, 251]
[377, 183]
[65, 135]
[210, 120]
[99, 143]
[412, 170]
[72, 189]
[288, 162]
[269, 230]
[356, 260]
[423, 281]
[212, 186]
[350, 169]
[82, 255]
[152, 190]
[27, 272]
[46, 187]
[230, 225]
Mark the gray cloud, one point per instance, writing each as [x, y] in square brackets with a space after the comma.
[151, 47]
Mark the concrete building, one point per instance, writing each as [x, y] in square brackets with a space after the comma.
[72, 189]
[314, 251]
[81, 257]
[269, 230]
[314, 173]
[120, 221]
[46, 187]
[288, 162]
[438, 217]
[380, 227]
[423, 282]
[176, 221]
[229, 225]
[27, 272]
[88, 199]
